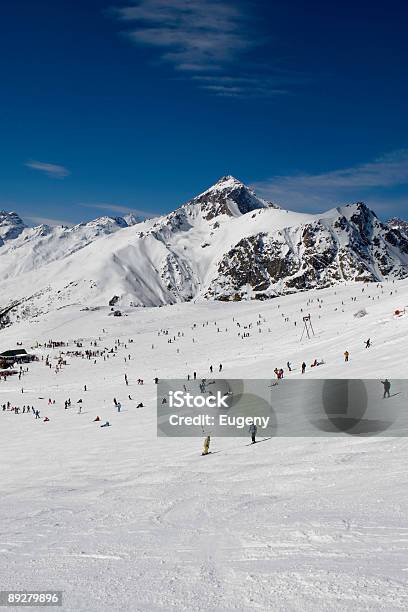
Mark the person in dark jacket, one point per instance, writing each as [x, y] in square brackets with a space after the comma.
[252, 430]
[387, 386]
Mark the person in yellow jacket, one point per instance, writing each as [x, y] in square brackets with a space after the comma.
[206, 447]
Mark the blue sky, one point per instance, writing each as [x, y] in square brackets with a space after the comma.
[111, 107]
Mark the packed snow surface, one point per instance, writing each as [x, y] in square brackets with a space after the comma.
[119, 519]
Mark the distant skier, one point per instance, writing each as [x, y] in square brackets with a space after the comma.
[252, 430]
[368, 343]
[387, 386]
[303, 367]
[288, 365]
[220, 367]
[346, 355]
[206, 447]
[107, 424]
[118, 406]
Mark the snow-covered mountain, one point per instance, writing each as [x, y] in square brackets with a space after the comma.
[225, 244]
[11, 226]
[24, 249]
[400, 224]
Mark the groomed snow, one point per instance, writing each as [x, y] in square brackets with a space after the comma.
[121, 520]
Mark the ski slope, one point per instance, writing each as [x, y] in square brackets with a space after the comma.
[119, 519]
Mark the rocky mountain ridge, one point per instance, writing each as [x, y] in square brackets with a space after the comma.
[224, 244]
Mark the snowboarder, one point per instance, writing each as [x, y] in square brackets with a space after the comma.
[252, 430]
[206, 447]
[387, 386]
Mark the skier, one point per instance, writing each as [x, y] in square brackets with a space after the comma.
[346, 355]
[288, 365]
[387, 386]
[220, 367]
[303, 367]
[252, 430]
[119, 406]
[206, 447]
[368, 343]
[107, 424]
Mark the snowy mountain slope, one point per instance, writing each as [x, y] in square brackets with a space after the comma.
[11, 226]
[400, 224]
[315, 524]
[225, 244]
[29, 248]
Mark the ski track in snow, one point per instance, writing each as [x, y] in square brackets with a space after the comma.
[119, 519]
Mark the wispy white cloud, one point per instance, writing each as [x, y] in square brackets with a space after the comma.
[194, 34]
[34, 220]
[206, 40]
[51, 170]
[316, 191]
[255, 85]
[118, 208]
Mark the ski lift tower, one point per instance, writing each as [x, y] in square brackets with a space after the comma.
[307, 327]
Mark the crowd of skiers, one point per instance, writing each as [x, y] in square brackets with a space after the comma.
[97, 349]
